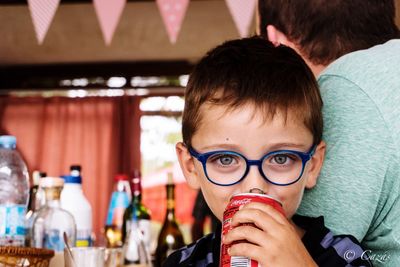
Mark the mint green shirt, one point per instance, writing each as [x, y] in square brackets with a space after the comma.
[359, 186]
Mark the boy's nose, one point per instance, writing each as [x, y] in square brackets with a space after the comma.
[254, 179]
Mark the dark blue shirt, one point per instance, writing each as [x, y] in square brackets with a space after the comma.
[326, 249]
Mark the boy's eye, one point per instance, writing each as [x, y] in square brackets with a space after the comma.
[280, 159]
[226, 160]
[283, 159]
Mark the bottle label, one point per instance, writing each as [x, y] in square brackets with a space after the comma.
[119, 201]
[170, 203]
[12, 225]
[144, 228]
[83, 238]
[132, 249]
[135, 249]
[53, 240]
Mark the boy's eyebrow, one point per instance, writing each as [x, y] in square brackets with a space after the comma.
[276, 146]
[220, 146]
[300, 146]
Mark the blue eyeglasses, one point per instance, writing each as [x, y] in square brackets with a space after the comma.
[280, 167]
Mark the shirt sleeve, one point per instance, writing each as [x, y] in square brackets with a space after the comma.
[358, 188]
[329, 250]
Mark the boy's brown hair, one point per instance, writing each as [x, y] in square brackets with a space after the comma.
[253, 71]
[324, 30]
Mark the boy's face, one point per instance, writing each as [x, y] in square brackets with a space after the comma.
[244, 130]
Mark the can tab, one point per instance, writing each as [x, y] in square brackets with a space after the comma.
[256, 190]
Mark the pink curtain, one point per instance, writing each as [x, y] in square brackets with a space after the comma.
[100, 134]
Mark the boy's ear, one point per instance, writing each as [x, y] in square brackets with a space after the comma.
[315, 165]
[186, 162]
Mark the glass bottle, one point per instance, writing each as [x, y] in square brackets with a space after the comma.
[40, 197]
[136, 212]
[51, 220]
[170, 237]
[120, 200]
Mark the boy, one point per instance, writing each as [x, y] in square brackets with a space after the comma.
[250, 103]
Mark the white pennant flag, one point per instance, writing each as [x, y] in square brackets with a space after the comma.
[242, 12]
[109, 12]
[42, 13]
[172, 13]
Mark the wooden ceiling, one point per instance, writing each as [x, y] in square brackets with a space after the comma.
[75, 37]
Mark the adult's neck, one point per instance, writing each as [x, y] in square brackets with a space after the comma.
[315, 68]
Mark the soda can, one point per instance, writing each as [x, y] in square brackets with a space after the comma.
[234, 204]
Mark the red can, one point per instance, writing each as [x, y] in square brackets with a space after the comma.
[233, 206]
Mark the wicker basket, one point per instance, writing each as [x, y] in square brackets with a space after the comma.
[23, 257]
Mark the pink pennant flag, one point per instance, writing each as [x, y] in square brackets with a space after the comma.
[42, 13]
[173, 12]
[242, 12]
[108, 13]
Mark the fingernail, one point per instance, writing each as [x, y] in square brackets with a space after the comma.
[229, 251]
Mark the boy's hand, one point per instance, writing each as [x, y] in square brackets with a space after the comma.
[273, 242]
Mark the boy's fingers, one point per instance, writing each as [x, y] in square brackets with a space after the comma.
[246, 232]
[262, 215]
[258, 218]
[247, 250]
[274, 213]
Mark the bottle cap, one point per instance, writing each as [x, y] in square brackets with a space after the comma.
[8, 141]
[51, 182]
[35, 177]
[71, 179]
[136, 173]
[170, 178]
[75, 168]
[121, 177]
[136, 184]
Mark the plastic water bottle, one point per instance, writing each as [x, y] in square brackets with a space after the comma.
[74, 201]
[14, 193]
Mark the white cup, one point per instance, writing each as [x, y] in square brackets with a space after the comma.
[85, 257]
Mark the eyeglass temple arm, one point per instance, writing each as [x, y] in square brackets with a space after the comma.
[193, 152]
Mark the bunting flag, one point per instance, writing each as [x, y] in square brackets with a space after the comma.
[42, 13]
[108, 13]
[172, 13]
[242, 12]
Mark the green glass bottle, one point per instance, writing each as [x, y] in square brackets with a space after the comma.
[170, 237]
[137, 213]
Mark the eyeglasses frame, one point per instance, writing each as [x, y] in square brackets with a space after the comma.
[203, 157]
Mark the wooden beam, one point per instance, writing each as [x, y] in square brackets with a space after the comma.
[50, 76]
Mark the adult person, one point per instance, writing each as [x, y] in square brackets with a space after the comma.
[353, 49]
